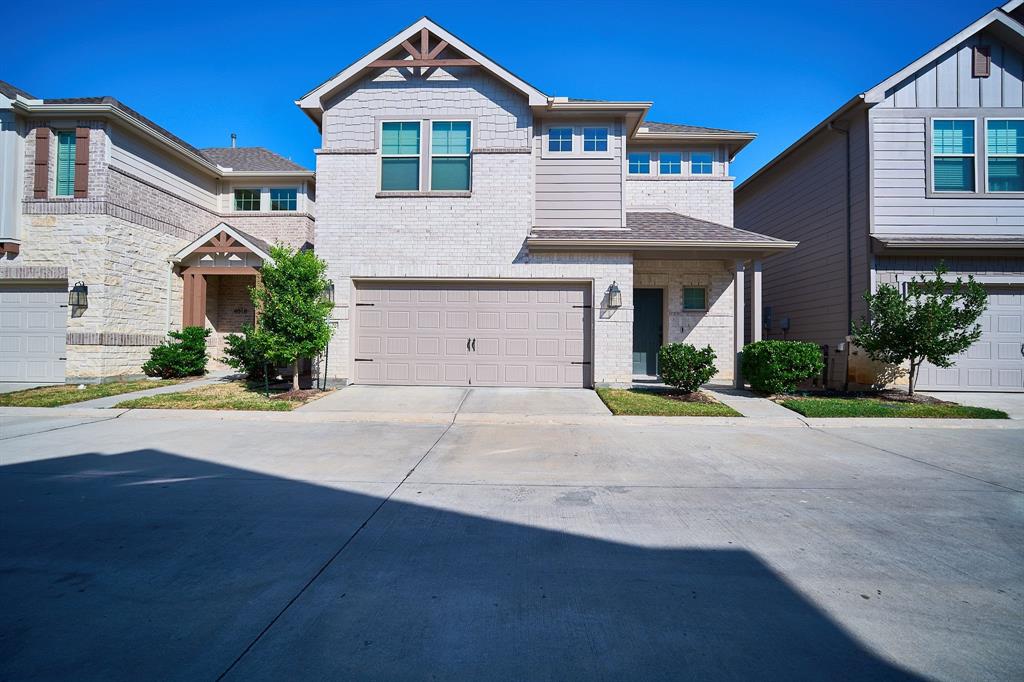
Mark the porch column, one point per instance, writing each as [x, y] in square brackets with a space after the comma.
[739, 293]
[756, 324]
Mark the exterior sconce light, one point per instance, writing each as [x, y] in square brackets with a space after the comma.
[329, 292]
[78, 297]
[614, 296]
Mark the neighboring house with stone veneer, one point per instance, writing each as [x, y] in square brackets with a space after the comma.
[925, 167]
[160, 233]
[481, 232]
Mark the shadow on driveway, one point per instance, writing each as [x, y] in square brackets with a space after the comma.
[147, 565]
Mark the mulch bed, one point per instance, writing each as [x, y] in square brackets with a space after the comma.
[301, 395]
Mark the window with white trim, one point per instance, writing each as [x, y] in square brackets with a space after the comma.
[400, 156]
[450, 145]
[670, 163]
[595, 139]
[1004, 151]
[560, 139]
[639, 163]
[953, 155]
[702, 163]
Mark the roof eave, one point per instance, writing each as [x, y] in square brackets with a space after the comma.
[265, 174]
[659, 245]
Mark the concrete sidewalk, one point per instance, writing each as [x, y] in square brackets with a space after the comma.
[751, 405]
[110, 401]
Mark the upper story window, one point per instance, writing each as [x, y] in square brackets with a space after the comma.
[1004, 149]
[670, 163]
[65, 163]
[450, 145]
[400, 156]
[595, 139]
[284, 199]
[560, 140]
[247, 199]
[953, 155]
[639, 163]
[702, 163]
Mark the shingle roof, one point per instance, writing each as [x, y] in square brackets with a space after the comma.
[12, 91]
[661, 226]
[655, 127]
[250, 159]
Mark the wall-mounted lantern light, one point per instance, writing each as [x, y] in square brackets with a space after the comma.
[329, 291]
[78, 297]
[614, 296]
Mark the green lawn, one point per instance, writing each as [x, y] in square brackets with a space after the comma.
[876, 407]
[654, 403]
[229, 396]
[66, 394]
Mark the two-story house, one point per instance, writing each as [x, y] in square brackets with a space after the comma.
[481, 232]
[925, 167]
[114, 231]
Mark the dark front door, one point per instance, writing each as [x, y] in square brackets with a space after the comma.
[647, 307]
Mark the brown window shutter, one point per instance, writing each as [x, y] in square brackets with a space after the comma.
[81, 162]
[981, 66]
[41, 181]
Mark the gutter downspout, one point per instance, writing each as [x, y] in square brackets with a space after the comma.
[845, 132]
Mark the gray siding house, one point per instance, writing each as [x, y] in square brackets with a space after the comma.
[482, 232]
[926, 166]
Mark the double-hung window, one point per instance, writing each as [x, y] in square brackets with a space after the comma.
[595, 139]
[66, 163]
[247, 199]
[560, 140]
[952, 155]
[639, 163]
[702, 163]
[400, 156]
[284, 199]
[670, 163]
[450, 144]
[1004, 140]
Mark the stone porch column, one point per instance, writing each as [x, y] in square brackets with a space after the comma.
[739, 293]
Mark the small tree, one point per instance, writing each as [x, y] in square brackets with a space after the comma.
[934, 320]
[686, 367]
[292, 311]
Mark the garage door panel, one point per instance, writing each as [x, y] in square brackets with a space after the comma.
[525, 334]
[33, 321]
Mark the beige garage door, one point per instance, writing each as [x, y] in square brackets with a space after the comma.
[472, 334]
[33, 321]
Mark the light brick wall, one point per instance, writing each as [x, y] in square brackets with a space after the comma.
[706, 198]
[712, 328]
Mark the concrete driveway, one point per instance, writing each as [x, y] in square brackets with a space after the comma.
[1010, 403]
[196, 547]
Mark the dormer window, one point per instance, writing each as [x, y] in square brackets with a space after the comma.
[595, 139]
[560, 140]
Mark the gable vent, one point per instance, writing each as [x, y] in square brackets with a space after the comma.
[981, 64]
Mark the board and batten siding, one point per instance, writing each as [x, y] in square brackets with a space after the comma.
[903, 202]
[803, 198]
[579, 190]
[132, 155]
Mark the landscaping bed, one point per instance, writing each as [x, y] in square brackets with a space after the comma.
[663, 403]
[67, 394]
[236, 395]
[882, 404]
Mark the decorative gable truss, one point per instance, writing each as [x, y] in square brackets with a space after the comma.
[224, 247]
[425, 55]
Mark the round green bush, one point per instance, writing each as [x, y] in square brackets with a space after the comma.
[778, 366]
[686, 367]
[185, 356]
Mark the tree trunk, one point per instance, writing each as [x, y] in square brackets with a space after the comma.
[295, 374]
[914, 366]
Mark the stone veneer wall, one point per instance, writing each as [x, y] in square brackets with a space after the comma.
[714, 327]
[705, 198]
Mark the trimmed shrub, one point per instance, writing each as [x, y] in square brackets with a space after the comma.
[686, 367]
[247, 353]
[184, 357]
[778, 366]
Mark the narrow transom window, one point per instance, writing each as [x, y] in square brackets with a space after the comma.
[702, 163]
[670, 163]
[595, 139]
[639, 163]
[450, 145]
[560, 140]
[284, 199]
[400, 156]
[953, 156]
[695, 298]
[66, 163]
[247, 200]
[1005, 147]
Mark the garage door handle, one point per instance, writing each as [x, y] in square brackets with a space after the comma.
[474, 345]
[468, 345]
[1022, 349]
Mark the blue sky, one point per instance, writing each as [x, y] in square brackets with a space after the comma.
[204, 70]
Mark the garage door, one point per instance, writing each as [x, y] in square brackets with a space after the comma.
[33, 318]
[472, 334]
[996, 361]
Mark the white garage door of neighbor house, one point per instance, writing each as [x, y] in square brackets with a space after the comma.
[33, 320]
[996, 361]
[472, 334]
